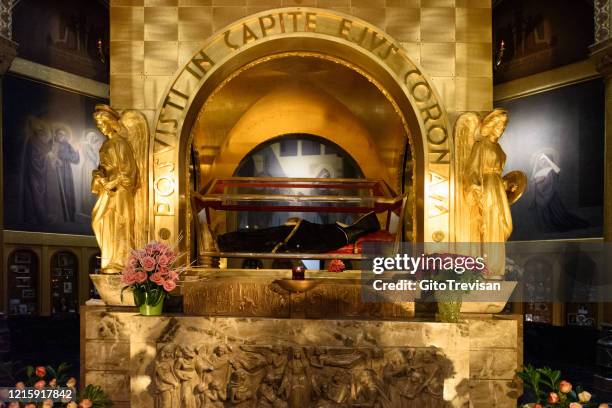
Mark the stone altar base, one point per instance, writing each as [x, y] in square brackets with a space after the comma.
[195, 361]
[256, 293]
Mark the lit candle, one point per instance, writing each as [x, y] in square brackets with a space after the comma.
[297, 273]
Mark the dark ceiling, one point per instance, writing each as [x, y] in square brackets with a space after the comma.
[496, 3]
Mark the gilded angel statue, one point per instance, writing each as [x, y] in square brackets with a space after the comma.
[484, 221]
[119, 217]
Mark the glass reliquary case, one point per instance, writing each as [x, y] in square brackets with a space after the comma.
[270, 223]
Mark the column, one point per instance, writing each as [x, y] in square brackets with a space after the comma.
[6, 18]
[8, 51]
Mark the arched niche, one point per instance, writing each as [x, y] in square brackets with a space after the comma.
[23, 273]
[64, 293]
[301, 93]
[95, 265]
[300, 155]
[541, 269]
[305, 32]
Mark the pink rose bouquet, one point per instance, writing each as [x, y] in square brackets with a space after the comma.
[151, 273]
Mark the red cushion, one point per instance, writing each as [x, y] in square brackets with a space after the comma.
[378, 236]
[347, 249]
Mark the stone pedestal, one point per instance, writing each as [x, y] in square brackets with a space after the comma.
[183, 361]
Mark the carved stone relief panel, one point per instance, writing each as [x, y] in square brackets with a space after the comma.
[295, 376]
[103, 325]
[244, 361]
[226, 362]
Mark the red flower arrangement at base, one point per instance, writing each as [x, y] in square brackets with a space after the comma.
[48, 377]
[551, 392]
[336, 265]
[151, 274]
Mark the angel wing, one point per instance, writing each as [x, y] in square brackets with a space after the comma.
[138, 136]
[465, 134]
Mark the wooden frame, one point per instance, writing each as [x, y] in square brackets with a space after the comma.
[567, 75]
[546, 81]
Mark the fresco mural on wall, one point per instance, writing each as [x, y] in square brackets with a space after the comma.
[50, 149]
[557, 139]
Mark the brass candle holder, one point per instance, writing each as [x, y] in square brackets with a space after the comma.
[297, 286]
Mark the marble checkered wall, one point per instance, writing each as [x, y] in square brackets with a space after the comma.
[450, 39]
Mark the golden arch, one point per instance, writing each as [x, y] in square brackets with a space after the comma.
[299, 29]
[303, 110]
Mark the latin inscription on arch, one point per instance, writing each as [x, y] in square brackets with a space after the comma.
[291, 22]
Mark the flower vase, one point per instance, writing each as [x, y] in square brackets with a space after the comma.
[150, 303]
[152, 310]
[449, 306]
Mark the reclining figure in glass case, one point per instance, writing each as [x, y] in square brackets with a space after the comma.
[301, 236]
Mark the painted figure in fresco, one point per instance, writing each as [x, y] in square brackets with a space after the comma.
[70, 33]
[91, 160]
[60, 180]
[165, 381]
[115, 182]
[38, 148]
[550, 212]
